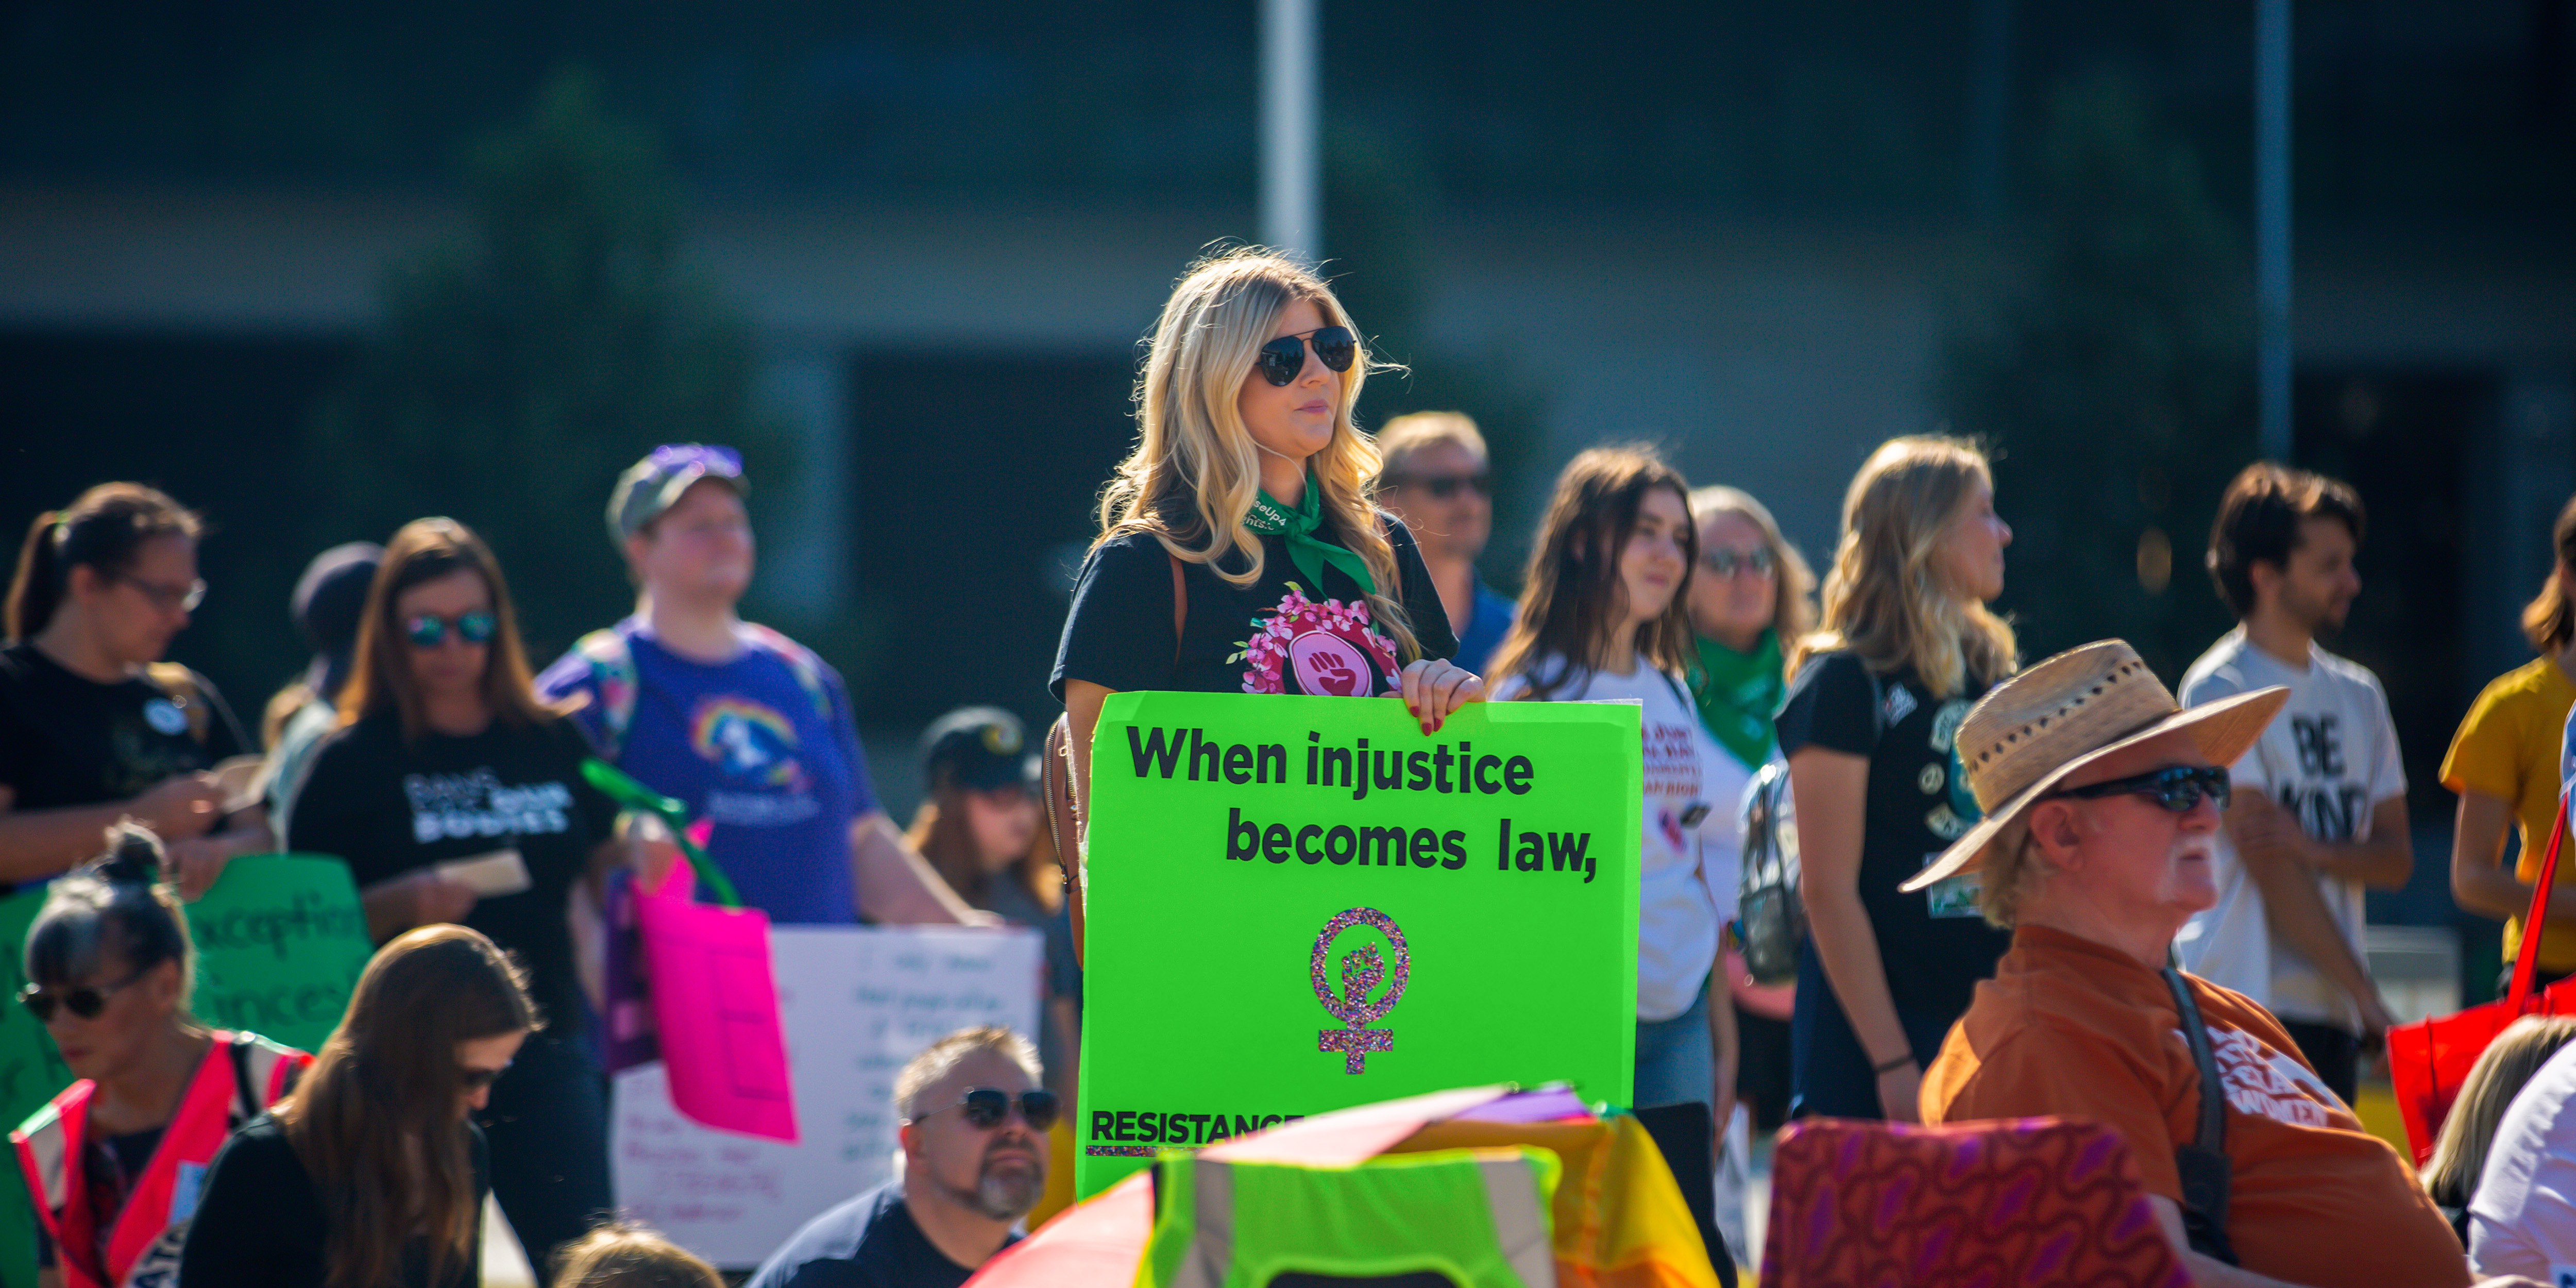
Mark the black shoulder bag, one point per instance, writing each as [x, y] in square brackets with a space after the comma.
[2203, 1163]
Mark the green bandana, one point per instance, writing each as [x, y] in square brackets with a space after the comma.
[1738, 695]
[1306, 550]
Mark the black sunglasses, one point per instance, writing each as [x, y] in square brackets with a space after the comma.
[87, 1001]
[429, 631]
[1283, 358]
[478, 1079]
[2175, 787]
[986, 1107]
[1724, 560]
[1441, 487]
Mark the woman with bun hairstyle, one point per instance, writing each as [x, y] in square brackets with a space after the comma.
[94, 726]
[1238, 551]
[112, 1163]
[444, 755]
[373, 1174]
[1907, 645]
[1605, 617]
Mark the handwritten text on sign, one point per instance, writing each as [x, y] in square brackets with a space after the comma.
[857, 1003]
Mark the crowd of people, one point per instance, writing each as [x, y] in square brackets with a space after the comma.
[2052, 889]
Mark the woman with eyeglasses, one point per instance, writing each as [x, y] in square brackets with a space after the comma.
[454, 796]
[1604, 617]
[373, 1174]
[94, 726]
[112, 1163]
[1907, 646]
[1238, 551]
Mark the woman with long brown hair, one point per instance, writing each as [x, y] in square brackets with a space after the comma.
[1907, 646]
[453, 795]
[1605, 616]
[372, 1174]
[94, 726]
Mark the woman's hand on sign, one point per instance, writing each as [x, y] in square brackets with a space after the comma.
[421, 898]
[1434, 688]
[180, 806]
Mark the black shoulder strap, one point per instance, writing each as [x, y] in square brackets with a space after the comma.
[247, 1102]
[2203, 1164]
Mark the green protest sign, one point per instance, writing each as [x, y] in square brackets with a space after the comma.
[280, 942]
[1297, 904]
[31, 1072]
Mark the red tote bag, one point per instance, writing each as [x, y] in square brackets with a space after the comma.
[2429, 1059]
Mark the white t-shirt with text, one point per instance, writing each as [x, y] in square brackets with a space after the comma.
[2330, 758]
[1688, 874]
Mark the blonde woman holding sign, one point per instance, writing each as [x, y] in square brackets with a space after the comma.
[1605, 617]
[1238, 551]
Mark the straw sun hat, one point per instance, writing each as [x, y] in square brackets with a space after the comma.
[2039, 727]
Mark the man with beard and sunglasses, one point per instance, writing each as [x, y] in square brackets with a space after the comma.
[1434, 475]
[2320, 813]
[974, 1163]
[2102, 801]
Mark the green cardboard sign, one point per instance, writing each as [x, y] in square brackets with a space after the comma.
[1298, 904]
[31, 1072]
[280, 942]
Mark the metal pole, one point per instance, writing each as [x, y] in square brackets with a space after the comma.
[1291, 179]
[2272, 225]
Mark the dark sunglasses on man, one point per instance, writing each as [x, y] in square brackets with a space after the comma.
[1283, 358]
[986, 1107]
[430, 631]
[86, 1001]
[2175, 787]
[1441, 487]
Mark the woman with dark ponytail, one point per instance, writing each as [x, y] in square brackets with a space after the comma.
[113, 1163]
[94, 726]
[373, 1174]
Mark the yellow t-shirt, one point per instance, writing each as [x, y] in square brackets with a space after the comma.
[2507, 748]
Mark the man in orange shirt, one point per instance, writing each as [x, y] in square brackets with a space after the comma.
[2101, 799]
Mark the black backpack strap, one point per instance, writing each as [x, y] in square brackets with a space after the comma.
[2203, 1164]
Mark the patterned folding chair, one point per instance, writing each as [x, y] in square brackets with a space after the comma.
[1976, 1205]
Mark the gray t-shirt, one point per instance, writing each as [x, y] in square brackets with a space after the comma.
[2330, 758]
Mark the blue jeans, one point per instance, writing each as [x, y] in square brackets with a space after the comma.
[1829, 1071]
[1676, 1061]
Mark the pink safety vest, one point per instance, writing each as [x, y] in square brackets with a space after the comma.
[242, 1074]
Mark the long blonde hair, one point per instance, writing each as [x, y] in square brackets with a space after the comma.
[1195, 470]
[1884, 597]
[2460, 1152]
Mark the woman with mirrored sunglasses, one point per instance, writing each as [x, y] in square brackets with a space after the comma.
[373, 1172]
[445, 754]
[1238, 551]
[94, 725]
[111, 1163]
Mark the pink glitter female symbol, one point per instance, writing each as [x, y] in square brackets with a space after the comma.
[1362, 970]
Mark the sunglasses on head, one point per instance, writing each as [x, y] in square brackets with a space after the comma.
[1441, 487]
[87, 1001]
[478, 1079]
[1724, 560]
[2175, 787]
[1283, 358]
[986, 1107]
[430, 631]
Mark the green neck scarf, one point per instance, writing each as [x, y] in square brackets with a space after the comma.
[1306, 550]
[1738, 695]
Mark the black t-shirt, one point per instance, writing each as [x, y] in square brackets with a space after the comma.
[869, 1242]
[68, 740]
[1277, 635]
[388, 806]
[1935, 945]
[261, 1224]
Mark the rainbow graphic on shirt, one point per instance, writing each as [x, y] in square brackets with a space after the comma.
[747, 740]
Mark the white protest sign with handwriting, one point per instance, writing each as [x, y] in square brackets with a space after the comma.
[857, 1002]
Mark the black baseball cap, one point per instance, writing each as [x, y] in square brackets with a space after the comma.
[980, 748]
